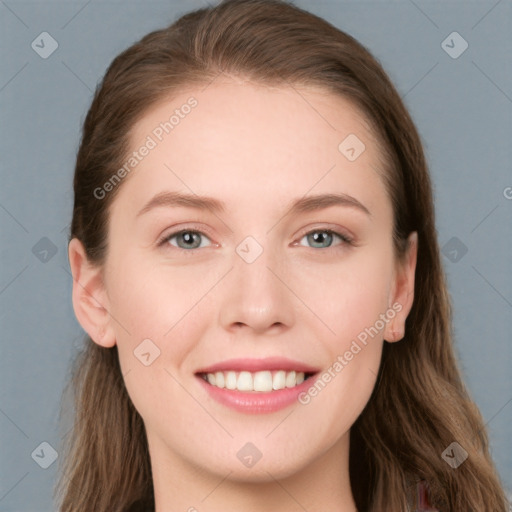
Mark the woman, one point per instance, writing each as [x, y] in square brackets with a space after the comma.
[255, 262]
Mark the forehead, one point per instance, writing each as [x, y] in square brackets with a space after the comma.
[229, 108]
[260, 142]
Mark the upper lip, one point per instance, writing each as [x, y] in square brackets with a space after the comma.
[255, 365]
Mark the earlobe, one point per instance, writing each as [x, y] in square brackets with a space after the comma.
[402, 296]
[90, 302]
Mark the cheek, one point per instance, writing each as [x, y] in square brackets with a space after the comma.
[147, 298]
[347, 296]
[155, 360]
[355, 306]
[154, 311]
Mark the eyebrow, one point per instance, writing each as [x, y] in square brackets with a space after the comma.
[301, 205]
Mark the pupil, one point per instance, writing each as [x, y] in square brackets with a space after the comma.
[317, 237]
[188, 238]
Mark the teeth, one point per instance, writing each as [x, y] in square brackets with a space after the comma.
[291, 379]
[264, 381]
[244, 382]
[229, 379]
[279, 380]
[219, 379]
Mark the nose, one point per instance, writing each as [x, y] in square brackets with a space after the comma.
[257, 297]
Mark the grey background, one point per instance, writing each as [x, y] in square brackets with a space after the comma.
[462, 107]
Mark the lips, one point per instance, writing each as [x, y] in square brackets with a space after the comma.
[256, 365]
[261, 375]
[256, 385]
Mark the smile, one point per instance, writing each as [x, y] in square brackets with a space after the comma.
[256, 386]
[261, 381]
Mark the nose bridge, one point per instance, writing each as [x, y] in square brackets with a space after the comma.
[254, 259]
[257, 297]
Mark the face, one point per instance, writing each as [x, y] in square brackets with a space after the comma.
[264, 282]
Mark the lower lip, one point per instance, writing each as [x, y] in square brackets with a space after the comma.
[257, 402]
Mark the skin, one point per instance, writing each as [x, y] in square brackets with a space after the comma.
[255, 148]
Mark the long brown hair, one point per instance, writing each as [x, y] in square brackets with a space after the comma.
[419, 405]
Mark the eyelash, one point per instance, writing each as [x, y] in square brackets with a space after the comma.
[345, 239]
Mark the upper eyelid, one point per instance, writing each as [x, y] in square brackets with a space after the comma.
[173, 234]
[329, 228]
[332, 229]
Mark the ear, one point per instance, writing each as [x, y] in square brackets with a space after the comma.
[90, 300]
[402, 291]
